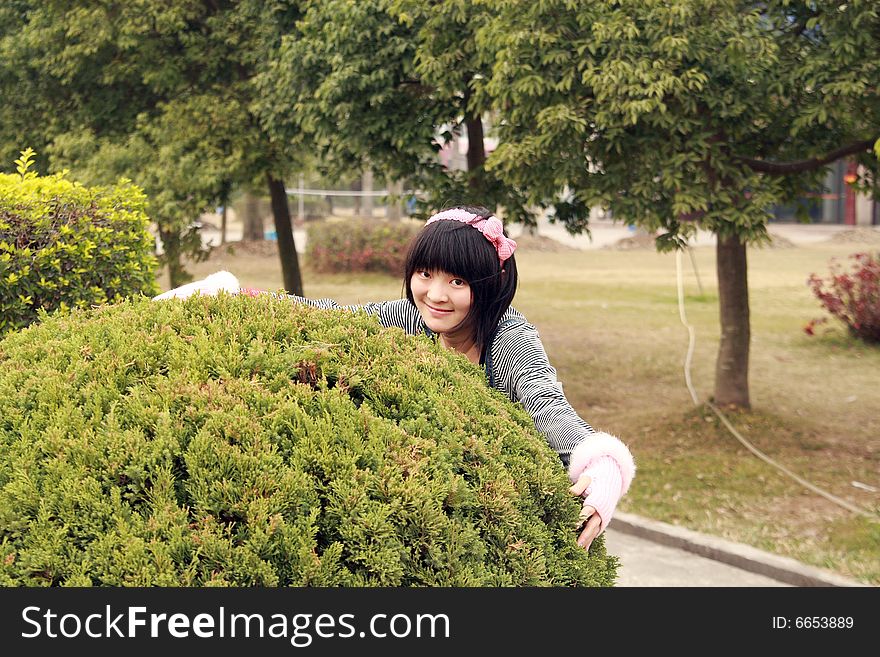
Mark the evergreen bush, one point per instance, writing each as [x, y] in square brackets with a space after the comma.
[246, 441]
[360, 245]
[63, 245]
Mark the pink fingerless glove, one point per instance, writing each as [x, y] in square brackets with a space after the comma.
[604, 490]
[611, 468]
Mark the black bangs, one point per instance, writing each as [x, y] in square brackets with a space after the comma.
[455, 248]
[461, 250]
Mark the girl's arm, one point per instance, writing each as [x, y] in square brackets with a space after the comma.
[400, 312]
[523, 371]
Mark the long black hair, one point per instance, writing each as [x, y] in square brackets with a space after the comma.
[459, 249]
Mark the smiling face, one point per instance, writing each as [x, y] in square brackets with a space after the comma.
[475, 296]
[444, 300]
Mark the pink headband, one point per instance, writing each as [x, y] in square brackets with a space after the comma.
[491, 227]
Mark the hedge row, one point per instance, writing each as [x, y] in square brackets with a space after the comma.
[360, 245]
[248, 441]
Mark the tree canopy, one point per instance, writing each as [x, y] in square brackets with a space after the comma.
[684, 114]
[384, 84]
[161, 92]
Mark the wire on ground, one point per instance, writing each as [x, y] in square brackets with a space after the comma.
[754, 450]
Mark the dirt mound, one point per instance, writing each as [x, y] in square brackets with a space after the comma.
[528, 242]
[639, 240]
[263, 248]
[858, 235]
[780, 242]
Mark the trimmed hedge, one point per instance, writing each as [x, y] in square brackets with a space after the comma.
[247, 441]
[360, 245]
[63, 245]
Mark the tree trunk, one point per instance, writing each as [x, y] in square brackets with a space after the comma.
[252, 229]
[171, 254]
[283, 229]
[732, 367]
[356, 187]
[225, 193]
[367, 186]
[393, 210]
[476, 152]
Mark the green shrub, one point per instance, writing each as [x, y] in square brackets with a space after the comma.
[247, 441]
[63, 245]
[363, 245]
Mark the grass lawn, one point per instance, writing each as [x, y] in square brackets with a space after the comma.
[610, 324]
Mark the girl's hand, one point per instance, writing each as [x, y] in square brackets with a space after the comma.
[588, 518]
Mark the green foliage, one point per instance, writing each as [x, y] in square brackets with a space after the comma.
[24, 163]
[683, 114]
[353, 246]
[63, 245]
[159, 92]
[665, 112]
[385, 84]
[236, 441]
[326, 81]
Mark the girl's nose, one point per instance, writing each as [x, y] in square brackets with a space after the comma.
[437, 291]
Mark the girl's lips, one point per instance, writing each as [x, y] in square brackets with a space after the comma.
[437, 310]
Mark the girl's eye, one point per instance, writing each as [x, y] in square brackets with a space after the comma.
[423, 274]
[457, 282]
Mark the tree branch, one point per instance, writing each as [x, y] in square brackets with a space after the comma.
[799, 166]
[417, 87]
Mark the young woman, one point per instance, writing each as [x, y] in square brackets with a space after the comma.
[460, 279]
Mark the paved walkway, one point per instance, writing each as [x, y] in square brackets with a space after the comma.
[655, 553]
[648, 563]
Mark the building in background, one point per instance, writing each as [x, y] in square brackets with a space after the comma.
[837, 203]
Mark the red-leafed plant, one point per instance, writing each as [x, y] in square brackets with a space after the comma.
[853, 297]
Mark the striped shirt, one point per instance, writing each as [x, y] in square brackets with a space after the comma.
[516, 364]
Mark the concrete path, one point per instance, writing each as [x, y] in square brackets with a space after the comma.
[647, 563]
[655, 553]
